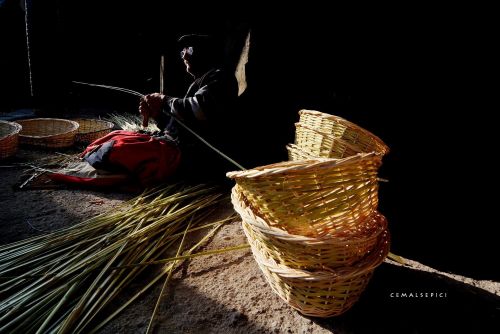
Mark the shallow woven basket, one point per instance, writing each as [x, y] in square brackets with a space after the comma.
[92, 129]
[296, 251]
[313, 197]
[321, 293]
[48, 132]
[346, 133]
[9, 138]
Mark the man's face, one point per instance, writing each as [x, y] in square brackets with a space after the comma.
[187, 57]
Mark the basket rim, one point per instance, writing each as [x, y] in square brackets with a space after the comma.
[241, 208]
[110, 125]
[344, 121]
[17, 128]
[300, 165]
[369, 263]
[74, 128]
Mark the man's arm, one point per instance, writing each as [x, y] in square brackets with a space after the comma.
[199, 107]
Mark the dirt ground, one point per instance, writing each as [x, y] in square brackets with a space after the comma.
[227, 293]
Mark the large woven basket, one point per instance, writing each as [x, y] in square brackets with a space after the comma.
[321, 293]
[344, 138]
[92, 129]
[9, 138]
[313, 197]
[296, 251]
[48, 132]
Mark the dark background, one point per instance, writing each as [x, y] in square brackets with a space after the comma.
[420, 78]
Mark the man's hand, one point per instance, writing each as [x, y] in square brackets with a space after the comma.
[150, 106]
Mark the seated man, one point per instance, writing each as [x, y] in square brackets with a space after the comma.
[207, 108]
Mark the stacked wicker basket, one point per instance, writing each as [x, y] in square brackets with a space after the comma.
[48, 132]
[312, 222]
[9, 138]
[62, 133]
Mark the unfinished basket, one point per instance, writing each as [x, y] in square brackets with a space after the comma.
[313, 197]
[321, 293]
[92, 129]
[296, 251]
[347, 132]
[48, 132]
[9, 138]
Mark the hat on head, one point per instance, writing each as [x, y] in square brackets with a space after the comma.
[208, 46]
[195, 40]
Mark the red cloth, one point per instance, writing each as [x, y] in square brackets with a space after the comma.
[149, 159]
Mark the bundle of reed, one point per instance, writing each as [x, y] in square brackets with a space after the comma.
[130, 122]
[60, 282]
[34, 169]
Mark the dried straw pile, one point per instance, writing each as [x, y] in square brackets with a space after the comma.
[60, 282]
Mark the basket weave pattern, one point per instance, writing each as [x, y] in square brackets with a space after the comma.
[92, 129]
[312, 222]
[48, 132]
[323, 145]
[9, 138]
[296, 153]
[313, 197]
[325, 135]
[321, 293]
[297, 251]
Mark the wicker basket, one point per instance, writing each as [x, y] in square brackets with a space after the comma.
[313, 197]
[321, 145]
[296, 251]
[92, 129]
[48, 132]
[296, 153]
[9, 138]
[321, 293]
[336, 127]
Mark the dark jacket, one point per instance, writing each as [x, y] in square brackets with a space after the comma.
[209, 109]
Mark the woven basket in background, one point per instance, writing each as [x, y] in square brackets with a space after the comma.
[9, 138]
[299, 252]
[338, 133]
[92, 129]
[313, 197]
[48, 132]
[321, 293]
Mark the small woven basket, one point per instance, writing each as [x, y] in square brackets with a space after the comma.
[321, 293]
[92, 129]
[323, 145]
[313, 197]
[9, 138]
[296, 251]
[48, 132]
[347, 134]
